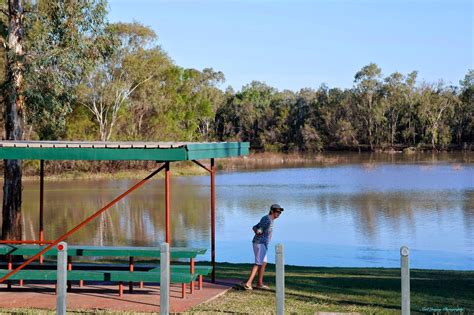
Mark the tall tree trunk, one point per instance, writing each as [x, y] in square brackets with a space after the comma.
[11, 211]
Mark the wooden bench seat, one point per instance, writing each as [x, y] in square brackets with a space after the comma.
[198, 269]
[180, 276]
[104, 251]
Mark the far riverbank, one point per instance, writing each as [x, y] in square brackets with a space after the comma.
[67, 170]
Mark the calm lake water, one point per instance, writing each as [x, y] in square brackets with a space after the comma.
[358, 212]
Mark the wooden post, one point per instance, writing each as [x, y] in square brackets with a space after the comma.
[405, 270]
[280, 280]
[61, 279]
[164, 279]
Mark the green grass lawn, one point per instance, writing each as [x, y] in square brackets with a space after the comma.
[363, 290]
[318, 289]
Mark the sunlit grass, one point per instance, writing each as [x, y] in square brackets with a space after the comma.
[359, 290]
[317, 289]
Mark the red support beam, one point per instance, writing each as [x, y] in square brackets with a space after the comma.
[167, 202]
[41, 210]
[80, 225]
[213, 221]
[202, 165]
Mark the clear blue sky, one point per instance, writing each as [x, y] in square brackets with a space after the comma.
[291, 44]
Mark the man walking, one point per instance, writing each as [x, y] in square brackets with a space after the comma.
[263, 235]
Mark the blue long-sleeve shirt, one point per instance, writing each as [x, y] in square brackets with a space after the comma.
[266, 225]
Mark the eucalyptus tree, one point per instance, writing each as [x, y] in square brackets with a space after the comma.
[211, 98]
[367, 92]
[226, 117]
[313, 132]
[197, 101]
[107, 88]
[436, 107]
[463, 118]
[409, 121]
[150, 102]
[339, 119]
[47, 45]
[252, 106]
[64, 39]
[14, 97]
[276, 131]
[299, 115]
[397, 100]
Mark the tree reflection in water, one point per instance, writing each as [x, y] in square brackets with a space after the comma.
[423, 204]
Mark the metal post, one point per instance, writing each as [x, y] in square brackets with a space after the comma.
[280, 280]
[404, 252]
[164, 278]
[131, 268]
[41, 214]
[9, 267]
[61, 279]
[213, 221]
[167, 201]
[192, 271]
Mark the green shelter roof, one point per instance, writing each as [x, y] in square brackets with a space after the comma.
[87, 150]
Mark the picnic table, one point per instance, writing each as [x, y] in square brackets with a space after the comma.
[181, 274]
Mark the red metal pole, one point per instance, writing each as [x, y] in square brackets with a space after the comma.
[167, 202]
[110, 204]
[131, 268]
[213, 221]
[69, 268]
[9, 267]
[41, 214]
[192, 271]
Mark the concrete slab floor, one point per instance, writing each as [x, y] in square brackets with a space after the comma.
[105, 297]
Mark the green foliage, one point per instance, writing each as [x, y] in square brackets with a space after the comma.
[436, 108]
[63, 40]
[377, 112]
[90, 80]
[80, 126]
[463, 118]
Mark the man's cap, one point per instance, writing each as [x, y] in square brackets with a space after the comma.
[276, 206]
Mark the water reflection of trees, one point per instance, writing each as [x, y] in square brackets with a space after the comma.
[468, 212]
[377, 213]
[138, 220]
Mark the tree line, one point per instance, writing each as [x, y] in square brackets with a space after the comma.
[86, 79]
[377, 112]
